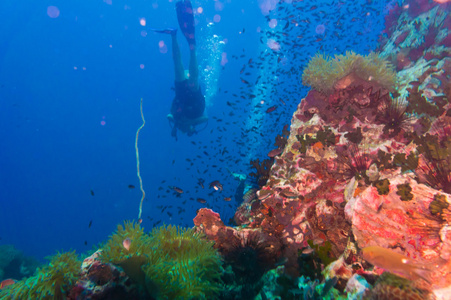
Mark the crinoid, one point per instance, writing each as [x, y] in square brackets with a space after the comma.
[354, 162]
[395, 117]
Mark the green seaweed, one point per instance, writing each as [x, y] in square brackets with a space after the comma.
[404, 191]
[383, 186]
[324, 252]
[407, 164]
[437, 206]
[325, 136]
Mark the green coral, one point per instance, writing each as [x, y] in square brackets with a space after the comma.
[50, 282]
[404, 191]
[324, 252]
[323, 71]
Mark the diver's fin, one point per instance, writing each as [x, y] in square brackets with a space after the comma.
[171, 31]
[185, 16]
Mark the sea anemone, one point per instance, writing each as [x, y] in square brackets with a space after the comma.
[390, 286]
[50, 282]
[128, 241]
[182, 265]
[325, 74]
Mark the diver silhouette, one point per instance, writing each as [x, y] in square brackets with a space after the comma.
[187, 109]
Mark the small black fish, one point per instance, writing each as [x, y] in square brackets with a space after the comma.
[90, 223]
[176, 189]
[201, 200]
[216, 185]
[92, 193]
[86, 243]
[131, 186]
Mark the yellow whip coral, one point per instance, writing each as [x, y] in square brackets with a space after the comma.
[324, 73]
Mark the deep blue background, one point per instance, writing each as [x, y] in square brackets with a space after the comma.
[54, 150]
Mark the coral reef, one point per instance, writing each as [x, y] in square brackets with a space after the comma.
[169, 263]
[99, 280]
[366, 163]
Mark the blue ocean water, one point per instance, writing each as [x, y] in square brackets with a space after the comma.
[72, 74]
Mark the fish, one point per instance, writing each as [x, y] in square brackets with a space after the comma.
[396, 263]
[281, 261]
[126, 243]
[227, 199]
[176, 189]
[216, 185]
[92, 193]
[275, 152]
[271, 109]
[6, 282]
[250, 195]
[131, 186]
[200, 182]
[201, 200]
[263, 194]
[90, 223]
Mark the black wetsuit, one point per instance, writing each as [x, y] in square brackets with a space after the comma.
[188, 103]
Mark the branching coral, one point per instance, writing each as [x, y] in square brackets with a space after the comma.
[50, 282]
[324, 73]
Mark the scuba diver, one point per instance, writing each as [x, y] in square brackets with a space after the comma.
[187, 109]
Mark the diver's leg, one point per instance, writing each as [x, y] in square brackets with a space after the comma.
[177, 58]
[193, 67]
